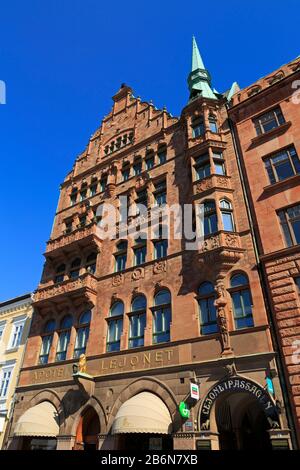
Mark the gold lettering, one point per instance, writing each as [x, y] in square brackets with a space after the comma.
[146, 358]
[103, 365]
[134, 360]
[113, 364]
[60, 372]
[122, 364]
[158, 356]
[169, 354]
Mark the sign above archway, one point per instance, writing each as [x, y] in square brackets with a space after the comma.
[236, 384]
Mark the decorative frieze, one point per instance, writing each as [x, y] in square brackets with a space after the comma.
[87, 282]
[88, 233]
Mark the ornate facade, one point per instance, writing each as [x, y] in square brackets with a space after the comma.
[150, 316]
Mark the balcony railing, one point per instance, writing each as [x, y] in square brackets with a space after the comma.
[84, 285]
[67, 240]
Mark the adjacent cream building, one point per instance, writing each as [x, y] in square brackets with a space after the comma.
[15, 319]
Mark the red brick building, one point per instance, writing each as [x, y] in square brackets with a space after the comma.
[267, 128]
[148, 318]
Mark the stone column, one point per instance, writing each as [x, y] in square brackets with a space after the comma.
[53, 348]
[71, 345]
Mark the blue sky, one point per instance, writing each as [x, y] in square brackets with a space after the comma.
[62, 60]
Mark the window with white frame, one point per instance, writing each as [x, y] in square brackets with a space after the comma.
[2, 327]
[16, 333]
[5, 377]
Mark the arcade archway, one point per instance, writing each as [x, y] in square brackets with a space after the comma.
[88, 430]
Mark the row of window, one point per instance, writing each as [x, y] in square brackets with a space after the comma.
[75, 267]
[198, 125]
[203, 165]
[162, 316]
[127, 171]
[119, 143]
[160, 250]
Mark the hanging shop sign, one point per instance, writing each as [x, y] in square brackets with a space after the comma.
[194, 391]
[183, 410]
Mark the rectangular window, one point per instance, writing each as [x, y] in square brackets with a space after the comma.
[160, 193]
[227, 221]
[81, 341]
[242, 306]
[268, 121]
[45, 349]
[140, 255]
[16, 334]
[2, 327]
[142, 199]
[120, 262]
[93, 190]
[125, 174]
[103, 182]
[136, 330]
[160, 249]
[62, 346]
[83, 194]
[73, 198]
[161, 325]
[162, 156]
[219, 163]
[290, 223]
[198, 128]
[282, 165]
[137, 168]
[69, 227]
[115, 328]
[149, 163]
[6, 374]
[202, 166]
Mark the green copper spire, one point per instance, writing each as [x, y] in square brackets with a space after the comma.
[199, 79]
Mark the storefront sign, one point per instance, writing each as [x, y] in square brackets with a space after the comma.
[194, 391]
[239, 384]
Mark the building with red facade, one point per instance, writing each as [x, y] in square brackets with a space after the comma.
[266, 120]
[124, 327]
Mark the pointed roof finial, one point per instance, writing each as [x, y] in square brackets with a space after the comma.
[199, 79]
[197, 62]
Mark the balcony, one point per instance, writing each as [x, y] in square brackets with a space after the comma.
[84, 287]
[222, 248]
[212, 182]
[82, 236]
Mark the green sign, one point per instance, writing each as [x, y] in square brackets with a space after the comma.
[183, 410]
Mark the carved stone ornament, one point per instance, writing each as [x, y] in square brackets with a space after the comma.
[117, 280]
[160, 267]
[137, 274]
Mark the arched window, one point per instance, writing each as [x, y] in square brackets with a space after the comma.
[115, 326]
[140, 250]
[198, 127]
[213, 123]
[137, 321]
[75, 268]
[121, 256]
[91, 262]
[241, 301]
[60, 273]
[227, 215]
[64, 338]
[208, 316]
[161, 316]
[47, 337]
[210, 218]
[83, 332]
